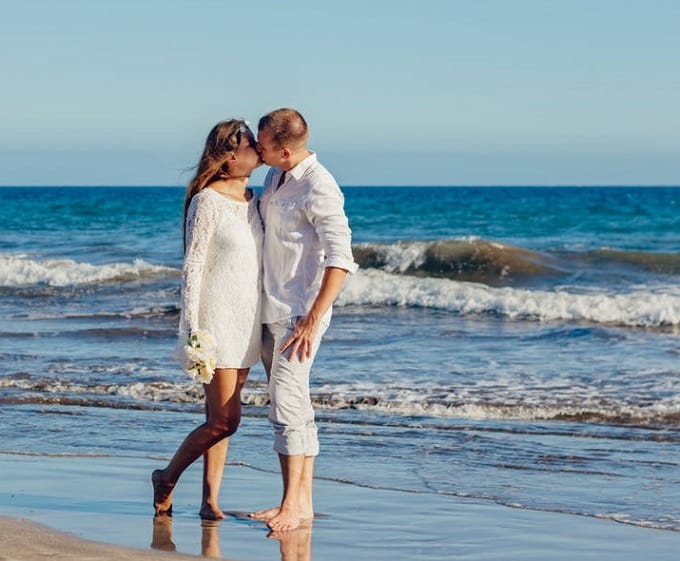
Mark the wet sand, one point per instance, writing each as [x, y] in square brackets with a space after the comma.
[91, 502]
[23, 540]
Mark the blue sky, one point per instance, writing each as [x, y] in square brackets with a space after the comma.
[425, 92]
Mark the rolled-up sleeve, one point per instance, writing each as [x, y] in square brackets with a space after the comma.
[325, 211]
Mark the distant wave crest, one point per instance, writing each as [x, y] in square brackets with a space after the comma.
[663, 263]
[495, 263]
[21, 271]
[468, 259]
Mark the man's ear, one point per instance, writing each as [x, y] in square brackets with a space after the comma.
[285, 153]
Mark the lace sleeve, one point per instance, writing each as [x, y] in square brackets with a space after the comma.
[200, 225]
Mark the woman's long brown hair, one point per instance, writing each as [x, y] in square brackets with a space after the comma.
[223, 139]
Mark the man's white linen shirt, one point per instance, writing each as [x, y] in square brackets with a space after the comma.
[306, 231]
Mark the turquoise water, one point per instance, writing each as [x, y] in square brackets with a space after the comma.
[516, 345]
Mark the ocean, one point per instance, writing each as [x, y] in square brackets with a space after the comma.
[506, 344]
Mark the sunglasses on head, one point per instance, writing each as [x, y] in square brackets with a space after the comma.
[245, 129]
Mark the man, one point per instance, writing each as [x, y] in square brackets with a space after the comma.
[307, 255]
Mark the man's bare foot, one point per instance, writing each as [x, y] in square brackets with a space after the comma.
[266, 514]
[304, 529]
[209, 512]
[285, 520]
[162, 494]
[269, 513]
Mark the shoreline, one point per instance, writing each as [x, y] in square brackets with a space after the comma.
[71, 508]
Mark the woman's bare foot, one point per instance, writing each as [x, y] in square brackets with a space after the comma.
[162, 494]
[210, 512]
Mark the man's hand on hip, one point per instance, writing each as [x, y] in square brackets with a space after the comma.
[301, 341]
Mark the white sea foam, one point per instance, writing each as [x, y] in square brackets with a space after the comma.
[642, 307]
[499, 401]
[460, 403]
[19, 270]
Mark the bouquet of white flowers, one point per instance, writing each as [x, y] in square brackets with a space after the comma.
[199, 356]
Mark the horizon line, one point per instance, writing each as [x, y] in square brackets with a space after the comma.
[358, 185]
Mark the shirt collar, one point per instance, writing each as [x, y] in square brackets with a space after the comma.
[299, 170]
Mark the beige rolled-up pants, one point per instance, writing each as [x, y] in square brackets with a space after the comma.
[290, 409]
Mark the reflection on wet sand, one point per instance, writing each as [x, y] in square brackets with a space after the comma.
[162, 533]
[210, 539]
[294, 545]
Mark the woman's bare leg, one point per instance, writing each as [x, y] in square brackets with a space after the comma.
[214, 461]
[213, 470]
[223, 399]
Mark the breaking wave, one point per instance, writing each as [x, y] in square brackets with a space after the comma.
[21, 271]
[496, 263]
[641, 308]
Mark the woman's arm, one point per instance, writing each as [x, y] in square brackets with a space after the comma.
[200, 225]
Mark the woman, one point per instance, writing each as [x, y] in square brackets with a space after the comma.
[221, 298]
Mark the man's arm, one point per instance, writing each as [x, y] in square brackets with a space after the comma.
[324, 210]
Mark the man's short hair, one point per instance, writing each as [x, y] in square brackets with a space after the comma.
[287, 127]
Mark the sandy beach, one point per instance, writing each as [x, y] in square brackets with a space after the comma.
[23, 540]
[96, 508]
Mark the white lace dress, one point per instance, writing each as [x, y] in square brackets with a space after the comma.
[222, 276]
